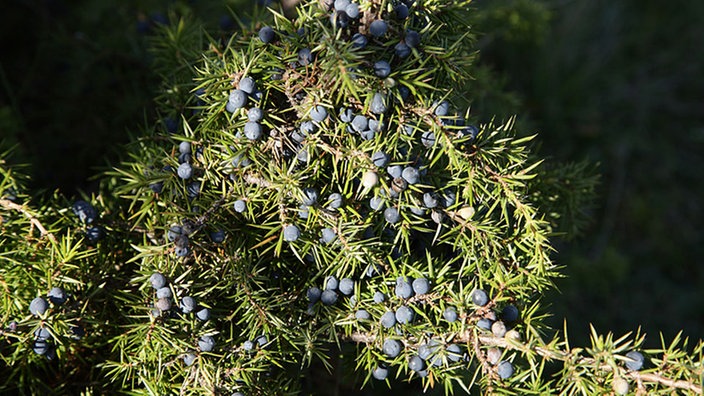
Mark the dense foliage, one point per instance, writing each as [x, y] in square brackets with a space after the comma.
[311, 185]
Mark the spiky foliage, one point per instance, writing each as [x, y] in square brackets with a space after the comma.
[358, 184]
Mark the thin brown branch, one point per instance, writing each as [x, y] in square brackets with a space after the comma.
[9, 205]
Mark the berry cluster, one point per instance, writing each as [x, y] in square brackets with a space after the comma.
[44, 338]
[87, 214]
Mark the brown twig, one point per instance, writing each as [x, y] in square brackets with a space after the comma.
[9, 205]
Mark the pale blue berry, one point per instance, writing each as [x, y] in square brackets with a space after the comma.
[255, 114]
[328, 297]
[346, 286]
[378, 28]
[185, 171]
[237, 98]
[188, 304]
[206, 343]
[382, 69]
[415, 363]
[450, 314]
[240, 206]
[411, 175]
[203, 314]
[504, 369]
[38, 306]
[266, 34]
[388, 319]
[380, 373]
[391, 348]
[421, 286]
[291, 233]
[247, 85]
[404, 314]
[319, 113]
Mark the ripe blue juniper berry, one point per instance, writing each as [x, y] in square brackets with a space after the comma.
[392, 348]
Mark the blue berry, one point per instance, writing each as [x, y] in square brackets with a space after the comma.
[291, 233]
[380, 159]
[313, 294]
[331, 283]
[636, 360]
[188, 304]
[307, 127]
[504, 369]
[379, 297]
[376, 203]
[158, 280]
[394, 171]
[352, 10]
[327, 235]
[416, 364]
[340, 5]
[86, 212]
[378, 28]
[185, 171]
[412, 38]
[40, 347]
[391, 348]
[378, 105]
[450, 314]
[262, 340]
[206, 343]
[217, 236]
[247, 85]
[248, 345]
[240, 206]
[479, 297]
[404, 314]
[203, 314]
[255, 114]
[56, 295]
[189, 359]
[335, 201]
[442, 108]
[252, 130]
[303, 211]
[430, 200]
[509, 313]
[181, 251]
[362, 314]
[380, 373]
[449, 198]
[421, 286]
[401, 11]
[96, 233]
[388, 319]
[484, 324]
[382, 69]
[42, 334]
[38, 306]
[237, 99]
[411, 175]
[157, 187]
[310, 196]
[359, 40]
[454, 353]
[319, 113]
[428, 139]
[184, 147]
[193, 189]
[367, 135]
[163, 304]
[266, 34]
[360, 123]
[391, 215]
[425, 351]
[305, 56]
[403, 288]
[346, 114]
[402, 51]
[328, 297]
[346, 286]
[164, 292]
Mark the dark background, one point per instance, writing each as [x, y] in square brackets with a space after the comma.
[616, 83]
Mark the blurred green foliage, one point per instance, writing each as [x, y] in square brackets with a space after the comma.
[619, 83]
